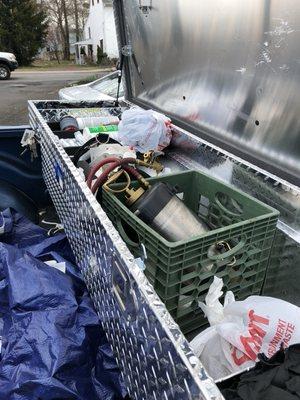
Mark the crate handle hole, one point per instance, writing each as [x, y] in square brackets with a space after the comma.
[224, 253]
[228, 205]
[128, 234]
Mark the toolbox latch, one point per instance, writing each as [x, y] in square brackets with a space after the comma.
[123, 291]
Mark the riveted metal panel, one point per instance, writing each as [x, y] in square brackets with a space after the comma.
[153, 355]
[227, 71]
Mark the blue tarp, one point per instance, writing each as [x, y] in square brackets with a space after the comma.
[53, 346]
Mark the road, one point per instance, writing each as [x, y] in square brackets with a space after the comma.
[36, 85]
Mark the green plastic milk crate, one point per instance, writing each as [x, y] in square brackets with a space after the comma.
[181, 272]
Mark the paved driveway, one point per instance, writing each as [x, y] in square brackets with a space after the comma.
[36, 85]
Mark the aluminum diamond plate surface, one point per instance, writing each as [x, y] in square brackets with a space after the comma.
[228, 71]
[154, 357]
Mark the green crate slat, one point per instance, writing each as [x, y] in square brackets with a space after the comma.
[181, 272]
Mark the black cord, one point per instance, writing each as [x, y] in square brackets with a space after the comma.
[83, 149]
[101, 138]
[120, 78]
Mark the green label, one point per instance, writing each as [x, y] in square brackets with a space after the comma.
[103, 128]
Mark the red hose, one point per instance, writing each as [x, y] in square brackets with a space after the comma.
[107, 161]
[98, 166]
[132, 171]
[102, 178]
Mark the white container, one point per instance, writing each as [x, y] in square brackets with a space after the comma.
[90, 122]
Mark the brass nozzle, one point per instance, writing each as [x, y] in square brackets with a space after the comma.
[133, 195]
[155, 165]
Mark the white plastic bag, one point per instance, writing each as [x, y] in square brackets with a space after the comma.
[143, 130]
[242, 329]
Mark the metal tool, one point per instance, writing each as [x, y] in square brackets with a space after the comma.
[167, 214]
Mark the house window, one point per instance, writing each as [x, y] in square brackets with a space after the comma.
[98, 1]
[90, 33]
[93, 2]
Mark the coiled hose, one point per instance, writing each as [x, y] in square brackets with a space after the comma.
[115, 162]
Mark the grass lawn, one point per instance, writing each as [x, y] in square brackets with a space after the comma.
[88, 79]
[63, 65]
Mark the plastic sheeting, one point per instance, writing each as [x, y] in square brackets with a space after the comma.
[53, 346]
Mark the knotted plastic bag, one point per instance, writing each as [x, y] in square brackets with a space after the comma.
[240, 330]
[144, 130]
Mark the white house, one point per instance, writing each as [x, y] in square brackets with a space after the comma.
[100, 31]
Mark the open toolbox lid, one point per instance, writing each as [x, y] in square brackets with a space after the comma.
[226, 71]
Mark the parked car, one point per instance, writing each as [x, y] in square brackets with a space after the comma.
[8, 63]
[104, 88]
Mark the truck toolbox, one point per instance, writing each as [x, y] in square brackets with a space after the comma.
[232, 110]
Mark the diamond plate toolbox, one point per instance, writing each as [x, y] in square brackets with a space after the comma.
[155, 359]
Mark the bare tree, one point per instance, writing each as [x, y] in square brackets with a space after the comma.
[67, 15]
[76, 16]
[80, 10]
[67, 30]
[53, 40]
